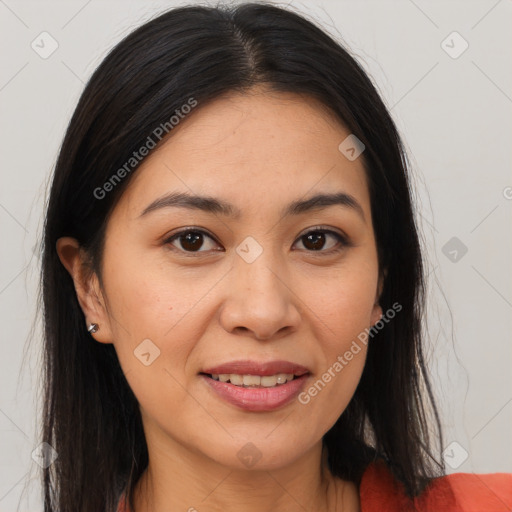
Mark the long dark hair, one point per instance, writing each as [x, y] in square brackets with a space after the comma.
[91, 417]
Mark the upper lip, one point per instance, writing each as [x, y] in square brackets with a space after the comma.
[247, 367]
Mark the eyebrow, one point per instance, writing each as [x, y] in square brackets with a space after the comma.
[217, 206]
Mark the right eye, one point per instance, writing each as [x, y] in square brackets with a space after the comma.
[190, 240]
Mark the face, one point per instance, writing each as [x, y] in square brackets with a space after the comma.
[187, 290]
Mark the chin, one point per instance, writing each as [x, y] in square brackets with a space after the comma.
[260, 454]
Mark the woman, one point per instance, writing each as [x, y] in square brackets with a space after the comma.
[233, 284]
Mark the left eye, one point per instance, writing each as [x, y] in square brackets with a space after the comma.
[192, 240]
[316, 240]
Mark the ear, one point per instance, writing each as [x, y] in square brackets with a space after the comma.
[87, 287]
[377, 310]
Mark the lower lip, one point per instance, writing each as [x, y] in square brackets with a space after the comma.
[258, 399]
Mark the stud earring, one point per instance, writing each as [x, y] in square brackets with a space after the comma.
[92, 328]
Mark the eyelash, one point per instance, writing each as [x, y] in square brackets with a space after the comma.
[343, 241]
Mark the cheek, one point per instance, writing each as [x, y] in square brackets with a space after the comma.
[344, 302]
[147, 299]
[152, 319]
[342, 310]
[331, 389]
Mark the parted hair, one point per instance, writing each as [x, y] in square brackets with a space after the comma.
[90, 415]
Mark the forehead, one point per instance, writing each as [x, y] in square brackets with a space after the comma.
[251, 147]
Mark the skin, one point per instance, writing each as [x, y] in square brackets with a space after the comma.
[259, 151]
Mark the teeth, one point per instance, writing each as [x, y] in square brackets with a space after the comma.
[250, 380]
[237, 380]
[281, 378]
[267, 381]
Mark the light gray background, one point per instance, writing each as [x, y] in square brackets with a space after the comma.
[455, 117]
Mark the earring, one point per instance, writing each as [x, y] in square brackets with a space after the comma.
[92, 328]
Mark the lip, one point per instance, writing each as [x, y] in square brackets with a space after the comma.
[247, 367]
[257, 399]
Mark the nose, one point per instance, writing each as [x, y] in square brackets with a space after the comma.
[260, 301]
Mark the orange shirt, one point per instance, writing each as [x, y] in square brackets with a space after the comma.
[458, 492]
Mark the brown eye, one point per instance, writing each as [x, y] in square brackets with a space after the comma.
[189, 241]
[193, 241]
[316, 241]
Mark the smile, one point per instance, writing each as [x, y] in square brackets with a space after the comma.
[254, 381]
[257, 397]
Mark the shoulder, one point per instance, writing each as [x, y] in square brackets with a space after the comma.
[458, 492]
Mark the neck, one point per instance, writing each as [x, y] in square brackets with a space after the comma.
[188, 481]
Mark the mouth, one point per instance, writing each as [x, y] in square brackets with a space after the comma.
[253, 381]
[249, 373]
[256, 387]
